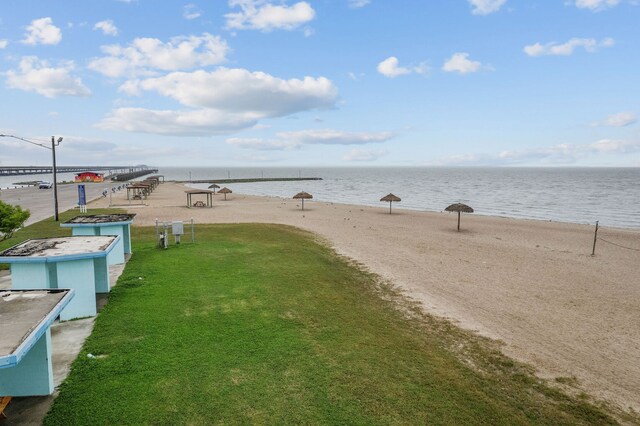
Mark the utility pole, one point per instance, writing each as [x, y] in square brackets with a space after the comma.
[55, 178]
[55, 143]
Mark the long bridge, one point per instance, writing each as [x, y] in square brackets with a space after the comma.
[37, 170]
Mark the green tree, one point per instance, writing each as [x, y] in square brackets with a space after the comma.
[11, 218]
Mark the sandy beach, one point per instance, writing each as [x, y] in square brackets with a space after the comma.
[530, 284]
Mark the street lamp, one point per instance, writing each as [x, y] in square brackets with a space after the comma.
[54, 143]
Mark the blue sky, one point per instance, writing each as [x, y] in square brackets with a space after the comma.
[322, 82]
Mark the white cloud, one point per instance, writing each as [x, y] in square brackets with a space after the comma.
[82, 150]
[131, 88]
[223, 101]
[265, 16]
[390, 68]
[334, 137]
[358, 154]
[568, 153]
[42, 31]
[202, 122]
[614, 146]
[38, 76]
[3, 43]
[596, 5]
[485, 7]
[356, 4]
[461, 64]
[145, 55]
[620, 119]
[589, 44]
[296, 139]
[81, 144]
[236, 89]
[107, 27]
[556, 154]
[191, 11]
[262, 144]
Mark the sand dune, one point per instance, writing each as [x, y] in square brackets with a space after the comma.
[530, 284]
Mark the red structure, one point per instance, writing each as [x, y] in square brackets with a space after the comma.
[89, 177]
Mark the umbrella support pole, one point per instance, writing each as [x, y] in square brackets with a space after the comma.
[458, 221]
[389, 207]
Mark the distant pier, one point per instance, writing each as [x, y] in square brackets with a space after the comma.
[37, 170]
[120, 177]
[249, 180]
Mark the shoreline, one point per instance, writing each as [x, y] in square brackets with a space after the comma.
[399, 207]
[530, 284]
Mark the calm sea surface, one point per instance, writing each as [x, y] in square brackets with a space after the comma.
[579, 195]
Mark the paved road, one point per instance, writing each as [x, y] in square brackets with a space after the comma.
[40, 201]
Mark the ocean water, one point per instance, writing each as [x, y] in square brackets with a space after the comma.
[577, 195]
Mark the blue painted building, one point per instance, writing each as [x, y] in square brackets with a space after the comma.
[105, 224]
[25, 339]
[79, 263]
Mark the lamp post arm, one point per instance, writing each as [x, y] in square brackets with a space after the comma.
[54, 143]
[25, 140]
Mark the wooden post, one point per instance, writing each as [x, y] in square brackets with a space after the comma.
[595, 238]
[389, 207]
[458, 221]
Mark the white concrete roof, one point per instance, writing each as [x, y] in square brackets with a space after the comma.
[101, 218]
[23, 315]
[60, 246]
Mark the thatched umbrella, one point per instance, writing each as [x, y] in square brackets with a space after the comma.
[460, 208]
[390, 198]
[214, 186]
[302, 196]
[225, 191]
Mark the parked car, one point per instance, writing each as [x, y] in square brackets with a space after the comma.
[45, 185]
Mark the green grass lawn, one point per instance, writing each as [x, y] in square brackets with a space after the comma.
[262, 324]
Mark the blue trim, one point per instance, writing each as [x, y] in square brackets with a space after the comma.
[41, 328]
[65, 257]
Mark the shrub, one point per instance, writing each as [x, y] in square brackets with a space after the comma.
[11, 219]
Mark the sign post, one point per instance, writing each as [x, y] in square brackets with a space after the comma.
[82, 198]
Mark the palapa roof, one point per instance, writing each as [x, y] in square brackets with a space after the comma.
[213, 185]
[198, 191]
[225, 190]
[390, 197]
[459, 207]
[303, 195]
